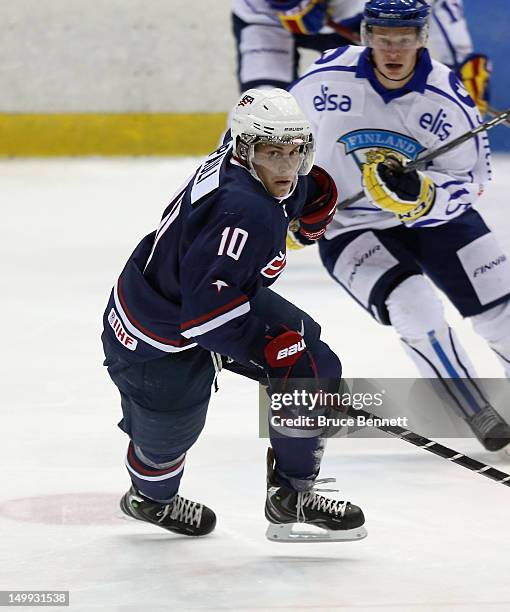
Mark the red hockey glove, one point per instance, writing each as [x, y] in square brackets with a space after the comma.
[317, 215]
[284, 347]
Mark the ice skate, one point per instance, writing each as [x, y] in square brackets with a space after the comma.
[180, 515]
[490, 428]
[306, 516]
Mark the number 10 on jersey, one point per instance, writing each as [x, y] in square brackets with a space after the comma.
[232, 242]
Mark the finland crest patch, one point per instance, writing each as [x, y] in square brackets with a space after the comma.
[362, 144]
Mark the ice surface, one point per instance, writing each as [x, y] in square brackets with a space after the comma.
[439, 536]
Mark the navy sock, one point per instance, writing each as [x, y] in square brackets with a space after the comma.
[154, 476]
[298, 460]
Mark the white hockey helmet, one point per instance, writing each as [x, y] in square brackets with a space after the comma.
[270, 116]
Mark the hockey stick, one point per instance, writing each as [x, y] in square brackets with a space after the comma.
[494, 112]
[483, 127]
[437, 449]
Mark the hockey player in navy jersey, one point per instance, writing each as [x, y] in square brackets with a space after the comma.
[372, 110]
[271, 33]
[197, 289]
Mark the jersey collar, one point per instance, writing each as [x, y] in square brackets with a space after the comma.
[365, 70]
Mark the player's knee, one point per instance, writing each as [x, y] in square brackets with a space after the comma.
[494, 325]
[328, 362]
[415, 309]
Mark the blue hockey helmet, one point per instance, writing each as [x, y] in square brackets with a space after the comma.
[396, 14]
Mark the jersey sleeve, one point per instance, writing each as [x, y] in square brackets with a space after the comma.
[460, 175]
[347, 10]
[220, 274]
[449, 40]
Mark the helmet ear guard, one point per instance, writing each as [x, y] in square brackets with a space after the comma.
[270, 117]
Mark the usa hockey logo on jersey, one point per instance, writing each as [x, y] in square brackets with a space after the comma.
[275, 267]
[362, 144]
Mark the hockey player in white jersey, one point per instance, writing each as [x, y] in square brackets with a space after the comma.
[374, 108]
[270, 34]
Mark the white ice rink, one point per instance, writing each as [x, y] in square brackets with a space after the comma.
[439, 535]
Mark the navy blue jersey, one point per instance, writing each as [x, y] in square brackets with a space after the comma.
[190, 282]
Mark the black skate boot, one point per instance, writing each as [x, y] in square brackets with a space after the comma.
[337, 520]
[180, 515]
[490, 428]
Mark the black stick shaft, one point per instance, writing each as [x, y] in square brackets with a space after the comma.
[494, 112]
[483, 127]
[437, 449]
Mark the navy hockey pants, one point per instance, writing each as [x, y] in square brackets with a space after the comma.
[164, 401]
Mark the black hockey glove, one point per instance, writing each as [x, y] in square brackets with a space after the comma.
[408, 195]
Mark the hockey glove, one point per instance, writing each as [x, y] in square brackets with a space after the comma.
[475, 72]
[408, 195]
[301, 16]
[317, 215]
[284, 347]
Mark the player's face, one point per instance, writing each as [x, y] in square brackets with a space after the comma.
[277, 165]
[394, 52]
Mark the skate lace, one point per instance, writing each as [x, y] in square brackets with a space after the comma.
[183, 510]
[310, 499]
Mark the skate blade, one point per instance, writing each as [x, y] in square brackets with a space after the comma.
[287, 533]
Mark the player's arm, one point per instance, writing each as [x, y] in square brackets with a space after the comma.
[451, 44]
[475, 72]
[220, 275]
[444, 190]
[301, 90]
[318, 211]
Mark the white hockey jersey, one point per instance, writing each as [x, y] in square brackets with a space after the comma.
[352, 114]
[449, 40]
[259, 11]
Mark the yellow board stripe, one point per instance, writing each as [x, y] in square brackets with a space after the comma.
[37, 135]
